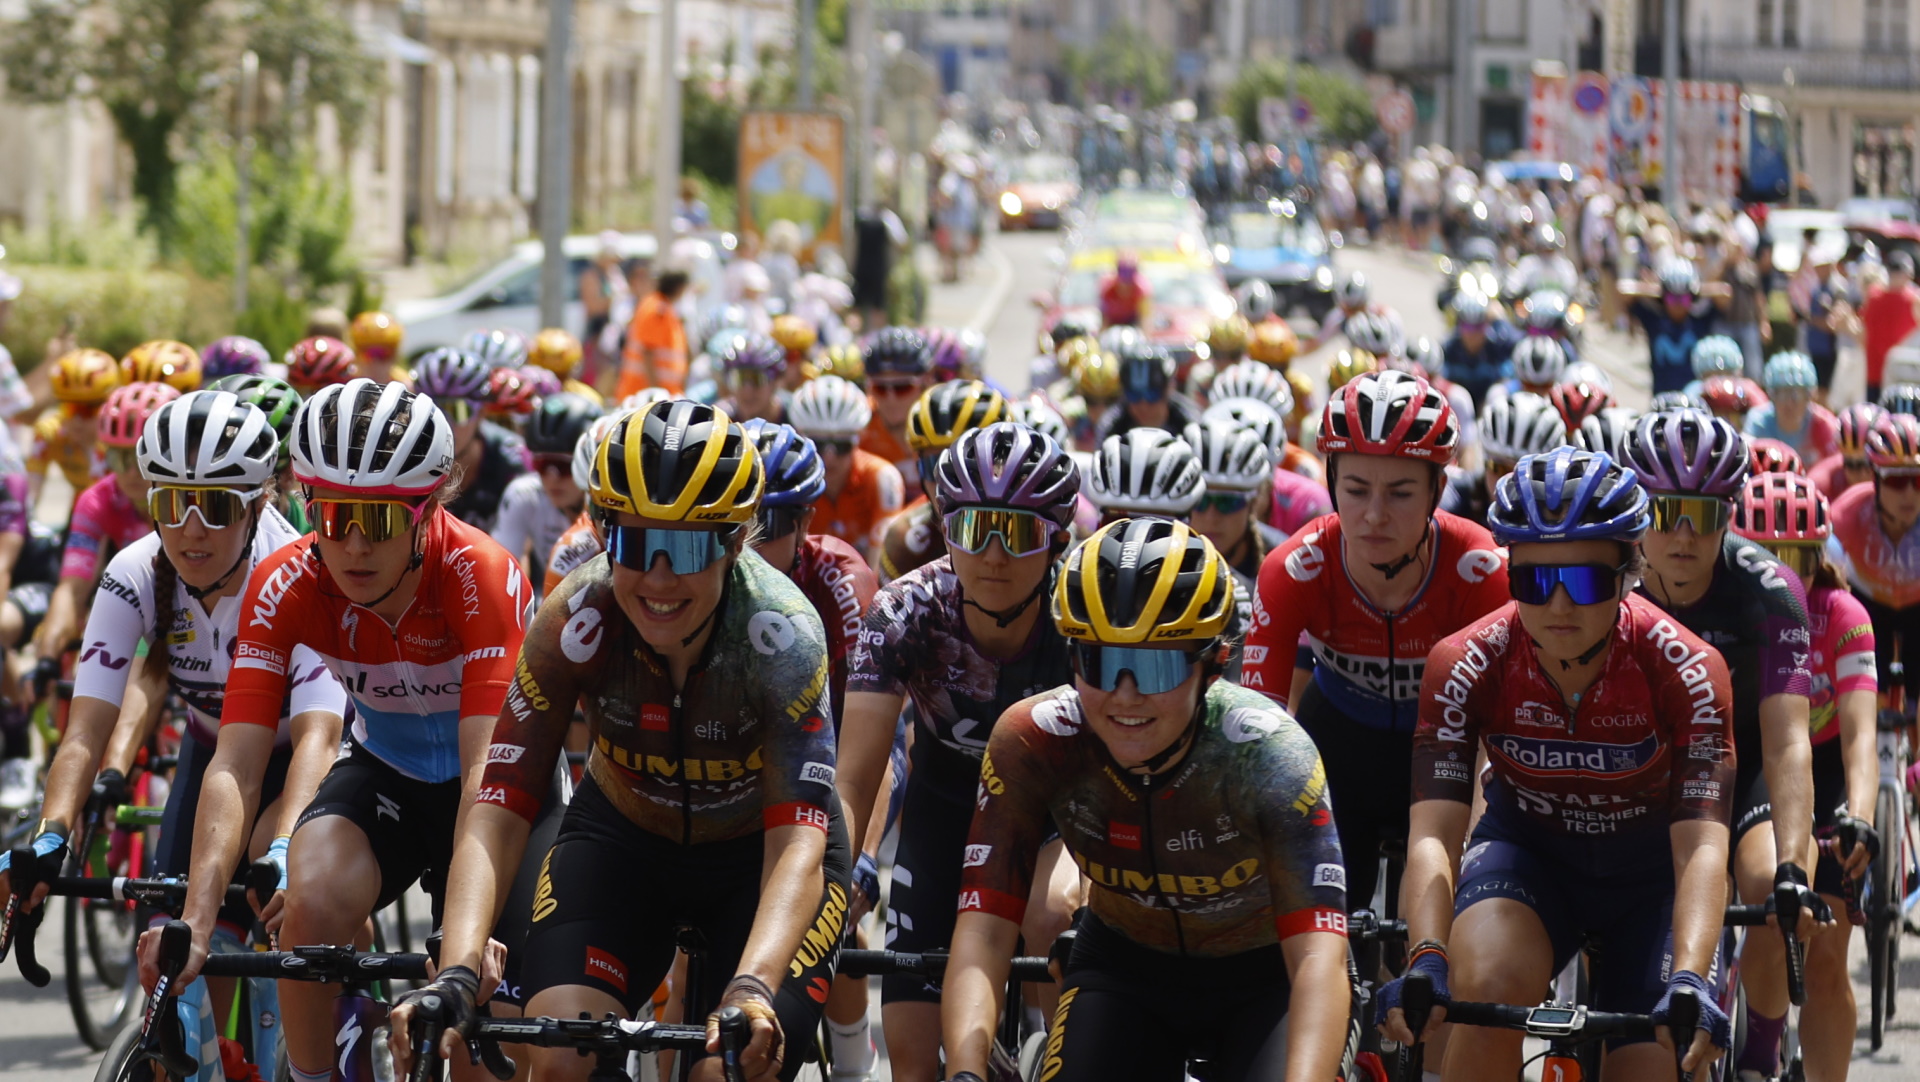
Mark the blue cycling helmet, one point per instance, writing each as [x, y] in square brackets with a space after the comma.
[1568, 495]
[1790, 368]
[447, 373]
[795, 475]
[1717, 353]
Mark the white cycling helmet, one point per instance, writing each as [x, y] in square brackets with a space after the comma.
[1251, 379]
[1254, 297]
[1607, 432]
[829, 406]
[378, 439]
[1146, 471]
[1232, 456]
[645, 397]
[1539, 361]
[1355, 291]
[589, 442]
[1037, 414]
[1519, 425]
[1266, 423]
[1588, 373]
[1374, 333]
[208, 438]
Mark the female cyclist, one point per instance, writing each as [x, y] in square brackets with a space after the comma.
[1373, 587]
[1147, 472]
[708, 799]
[897, 364]
[1237, 471]
[965, 636]
[418, 616]
[1217, 921]
[941, 416]
[539, 506]
[490, 456]
[863, 492]
[1875, 542]
[1603, 724]
[1848, 465]
[280, 402]
[750, 373]
[1786, 515]
[1730, 592]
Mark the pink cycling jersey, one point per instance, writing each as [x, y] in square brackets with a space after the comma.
[1885, 570]
[101, 516]
[1297, 500]
[1842, 658]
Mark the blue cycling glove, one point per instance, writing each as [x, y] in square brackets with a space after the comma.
[1712, 1019]
[866, 876]
[277, 852]
[1433, 963]
[45, 844]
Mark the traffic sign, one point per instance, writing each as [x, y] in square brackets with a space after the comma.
[1395, 112]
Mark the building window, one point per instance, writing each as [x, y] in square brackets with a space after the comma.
[1896, 25]
[1883, 153]
[1789, 24]
[1763, 17]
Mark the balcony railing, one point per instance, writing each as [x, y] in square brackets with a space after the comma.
[1745, 62]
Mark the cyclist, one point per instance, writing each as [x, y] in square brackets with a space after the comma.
[1715, 355]
[751, 366]
[1373, 587]
[965, 636]
[1479, 352]
[1238, 473]
[275, 398]
[797, 337]
[490, 457]
[1787, 515]
[497, 348]
[539, 505]
[1539, 363]
[559, 352]
[234, 355]
[581, 541]
[319, 362]
[1848, 465]
[418, 616]
[1731, 593]
[1182, 796]
[1603, 723]
[512, 394]
[1272, 343]
[1147, 472]
[1147, 397]
[1227, 340]
[1676, 312]
[1606, 432]
[941, 416]
[1352, 297]
[863, 491]
[67, 435]
[897, 363]
[1125, 295]
[1876, 544]
[1790, 414]
[723, 784]
[163, 360]
[375, 338]
[1513, 427]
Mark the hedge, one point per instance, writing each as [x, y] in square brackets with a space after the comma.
[113, 309]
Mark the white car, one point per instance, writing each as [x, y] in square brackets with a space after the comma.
[507, 295]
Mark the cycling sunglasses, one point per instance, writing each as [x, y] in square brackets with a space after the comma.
[553, 460]
[1139, 387]
[1224, 503]
[81, 409]
[777, 522]
[1471, 328]
[1707, 514]
[1587, 584]
[459, 410]
[895, 388]
[1023, 533]
[120, 459]
[1802, 556]
[746, 377]
[1895, 482]
[842, 447]
[218, 508]
[1155, 671]
[689, 552]
[377, 520]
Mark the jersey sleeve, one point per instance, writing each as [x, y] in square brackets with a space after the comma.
[1786, 647]
[268, 634]
[116, 623]
[565, 649]
[1696, 697]
[877, 662]
[489, 617]
[1461, 672]
[86, 536]
[889, 496]
[1291, 579]
[513, 528]
[1286, 792]
[797, 758]
[1851, 646]
[312, 688]
[1483, 567]
[1010, 817]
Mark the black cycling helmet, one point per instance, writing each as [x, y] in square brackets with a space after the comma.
[1146, 371]
[276, 398]
[558, 423]
[898, 351]
[1071, 326]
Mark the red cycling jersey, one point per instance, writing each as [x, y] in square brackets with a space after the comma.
[1613, 762]
[1367, 662]
[1882, 569]
[841, 586]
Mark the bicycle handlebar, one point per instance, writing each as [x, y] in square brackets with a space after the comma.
[320, 964]
[931, 965]
[1551, 1021]
[606, 1037]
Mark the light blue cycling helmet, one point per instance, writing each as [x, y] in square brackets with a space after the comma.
[1717, 353]
[1568, 495]
[1789, 368]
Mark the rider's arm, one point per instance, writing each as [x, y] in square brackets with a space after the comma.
[1436, 832]
[1856, 681]
[1788, 762]
[1318, 1005]
[1700, 891]
[1291, 579]
[10, 545]
[63, 616]
[139, 714]
[876, 689]
[970, 1003]
[513, 524]
[1697, 706]
[1454, 697]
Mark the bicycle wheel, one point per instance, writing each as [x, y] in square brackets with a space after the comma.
[125, 1063]
[1884, 920]
[103, 998]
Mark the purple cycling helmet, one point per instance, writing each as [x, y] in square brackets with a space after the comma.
[1008, 465]
[1688, 452]
[448, 373]
[948, 354]
[756, 352]
[542, 381]
[234, 355]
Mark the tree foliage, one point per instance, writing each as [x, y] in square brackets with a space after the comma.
[1340, 105]
[1126, 58]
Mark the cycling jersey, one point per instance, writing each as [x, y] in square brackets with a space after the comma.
[1466, 494]
[1817, 437]
[841, 586]
[14, 512]
[80, 461]
[528, 517]
[1881, 569]
[874, 493]
[1843, 655]
[102, 516]
[579, 543]
[1479, 371]
[1297, 500]
[1367, 662]
[878, 439]
[1297, 459]
[1829, 475]
[450, 655]
[503, 457]
[1230, 850]
[200, 644]
[911, 541]
[723, 757]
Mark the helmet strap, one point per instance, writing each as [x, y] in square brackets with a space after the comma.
[413, 564]
[1009, 615]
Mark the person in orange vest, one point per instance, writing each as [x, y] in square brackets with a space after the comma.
[656, 350]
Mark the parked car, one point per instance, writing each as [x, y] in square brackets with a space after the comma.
[507, 294]
[1274, 242]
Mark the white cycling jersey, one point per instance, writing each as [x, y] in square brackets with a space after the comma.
[528, 516]
[202, 646]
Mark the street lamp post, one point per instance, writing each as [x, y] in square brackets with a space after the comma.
[666, 171]
[556, 161]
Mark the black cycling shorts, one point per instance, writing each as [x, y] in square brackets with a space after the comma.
[1365, 768]
[173, 853]
[32, 599]
[409, 826]
[1753, 805]
[1127, 1011]
[613, 897]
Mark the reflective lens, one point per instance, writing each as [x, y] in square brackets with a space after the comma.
[553, 460]
[894, 388]
[1139, 386]
[1224, 503]
[689, 552]
[1854, 464]
[842, 447]
[1155, 671]
[459, 410]
[219, 508]
[1587, 584]
[777, 522]
[377, 520]
[1802, 557]
[1471, 328]
[1891, 482]
[1706, 513]
[121, 459]
[746, 377]
[1023, 533]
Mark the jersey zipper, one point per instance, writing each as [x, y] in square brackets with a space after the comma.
[686, 787]
[1393, 683]
[1153, 860]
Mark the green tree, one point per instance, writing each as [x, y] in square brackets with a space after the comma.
[1125, 58]
[1340, 105]
[709, 133]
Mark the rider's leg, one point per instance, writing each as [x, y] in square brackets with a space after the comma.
[1827, 1021]
[333, 882]
[1763, 956]
[1499, 952]
[1059, 890]
[567, 1001]
[920, 917]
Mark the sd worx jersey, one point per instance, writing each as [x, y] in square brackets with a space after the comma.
[745, 745]
[1367, 662]
[1647, 744]
[1886, 571]
[449, 657]
[1231, 850]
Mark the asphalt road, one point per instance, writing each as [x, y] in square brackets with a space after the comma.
[37, 1039]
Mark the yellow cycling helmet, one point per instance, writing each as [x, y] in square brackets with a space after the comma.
[1227, 337]
[163, 360]
[1144, 580]
[678, 461]
[794, 334]
[376, 335]
[85, 376]
[1273, 343]
[1349, 365]
[845, 361]
[948, 409]
[1098, 379]
[556, 351]
[1073, 352]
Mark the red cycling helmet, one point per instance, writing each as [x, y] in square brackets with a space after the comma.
[1731, 395]
[1854, 423]
[1894, 443]
[1781, 506]
[319, 361]
[1773, 456]
[1389, 413]
[126, 410]
[510, 394]
[1578, 401]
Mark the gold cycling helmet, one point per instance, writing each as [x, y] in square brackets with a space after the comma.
[1348, 366]
[376, 335]
[1228, 335]
[556, 351]
[1302, 394]
[85, 376]
[1273, 343]
[678, 461]
[1098, 379]
[844, 360]
[1144, 580]
[948, 409]
[1071, 353]
[163, 360]
[794, 334]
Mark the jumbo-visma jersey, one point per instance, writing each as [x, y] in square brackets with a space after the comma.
[451, 655]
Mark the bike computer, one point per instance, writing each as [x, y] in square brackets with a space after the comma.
[1552, 1021]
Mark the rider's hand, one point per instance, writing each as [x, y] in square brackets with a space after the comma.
[50, 847]
[866, 883]
[109, 791]
[149, 957]
[449, 1001]
[765, 1043]
[1866, 847]
[1810, 904]
[1713, 1032]
[46, 672]
[1387, 1012]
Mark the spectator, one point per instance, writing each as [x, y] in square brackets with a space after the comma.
[1823, 312]
[608, 301]
[656, 350]
[1889, 315]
